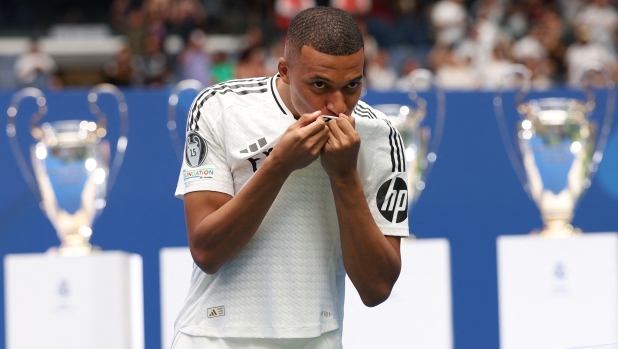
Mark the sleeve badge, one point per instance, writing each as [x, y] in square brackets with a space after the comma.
[196, 149]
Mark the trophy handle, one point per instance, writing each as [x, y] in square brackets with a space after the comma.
[525, 73]
[172, 124]
[123, 110]
[11, 130]
[609, 109]
[426, 75]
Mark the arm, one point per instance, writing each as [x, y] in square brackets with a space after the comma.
[372, 260]
[219, 226]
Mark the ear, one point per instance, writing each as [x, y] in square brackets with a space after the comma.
[284, 70]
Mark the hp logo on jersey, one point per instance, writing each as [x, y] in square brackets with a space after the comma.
[392, 200]
[195, 149]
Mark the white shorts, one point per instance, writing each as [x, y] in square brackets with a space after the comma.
[328, 340]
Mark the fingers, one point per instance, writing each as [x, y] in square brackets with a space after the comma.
[318, 125]
[316, 131]
[309, 124]
[342, 127]
[307, 119]
[318, 140]
[347, 127]
[335, 128]
[349, 118]
[331, 142]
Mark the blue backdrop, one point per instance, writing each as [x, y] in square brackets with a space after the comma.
[472, 196]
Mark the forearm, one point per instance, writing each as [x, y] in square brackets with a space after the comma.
[222, 234]
[371, 262]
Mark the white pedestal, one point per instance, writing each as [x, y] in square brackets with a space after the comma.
[176, 267]
[92, 302]
[558, 293]
[418, 314]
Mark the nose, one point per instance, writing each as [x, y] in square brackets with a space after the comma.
[336, 104]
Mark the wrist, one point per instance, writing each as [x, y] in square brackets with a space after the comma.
[275, 169]
[345, 181]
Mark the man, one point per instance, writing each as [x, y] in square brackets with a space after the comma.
[35, 68]
[280, 203]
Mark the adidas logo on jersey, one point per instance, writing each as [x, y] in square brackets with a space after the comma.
[254, 147]
[216, 311]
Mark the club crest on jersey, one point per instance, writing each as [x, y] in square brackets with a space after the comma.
[196, 149]
[392, 200]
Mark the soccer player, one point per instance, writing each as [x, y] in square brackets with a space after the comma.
[281, 202]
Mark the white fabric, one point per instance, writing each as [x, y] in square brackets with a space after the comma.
[288, 281]
[328, 340]
[528, 47]
[580, 57]
[290, 8]
[380, 78]
[27, 66]
[449, 19]
[493, 73]
[602, 21]
[460, 77]
[487, 32]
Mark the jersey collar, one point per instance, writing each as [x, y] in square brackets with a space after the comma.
[273, 89]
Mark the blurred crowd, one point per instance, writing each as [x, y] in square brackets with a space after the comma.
[145, 61]
[556, 40]
[469, 45]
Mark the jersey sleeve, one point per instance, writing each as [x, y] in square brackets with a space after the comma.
[382, 169]
[205, 166]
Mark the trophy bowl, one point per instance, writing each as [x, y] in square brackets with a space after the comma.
[556, 150]
[70, 160]
[420, 145]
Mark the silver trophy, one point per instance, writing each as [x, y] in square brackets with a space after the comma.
[556, 149]
[172, 119]
[71, 172]
[420, 145]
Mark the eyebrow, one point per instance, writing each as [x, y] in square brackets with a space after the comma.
[360, 77]
[320, 77]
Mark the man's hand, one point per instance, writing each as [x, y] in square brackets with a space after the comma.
[301, 143]
[340, 153]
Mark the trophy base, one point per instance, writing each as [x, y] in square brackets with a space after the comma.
[568, 284]
[563, 232]
[74, 251]
[421, 296]
[89, 302]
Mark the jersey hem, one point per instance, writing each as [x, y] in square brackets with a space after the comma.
[403, 234]
[201, 187]
[389, 231]
[258, 332]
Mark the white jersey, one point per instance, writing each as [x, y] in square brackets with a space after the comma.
[288, 281]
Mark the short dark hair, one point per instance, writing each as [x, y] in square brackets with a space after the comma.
[326, 29]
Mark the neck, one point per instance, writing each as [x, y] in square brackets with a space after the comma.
[284, 92]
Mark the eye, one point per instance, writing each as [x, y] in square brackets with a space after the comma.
[353, 85]
[319, 84]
